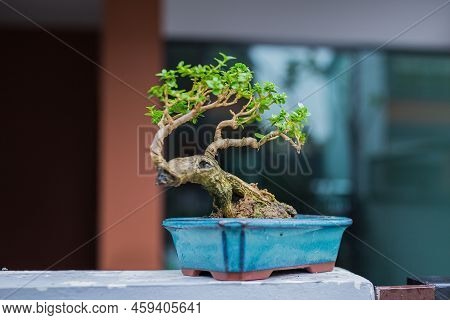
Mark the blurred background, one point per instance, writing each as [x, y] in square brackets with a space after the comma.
[77, 189]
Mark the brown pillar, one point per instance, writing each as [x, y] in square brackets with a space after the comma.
[131, 50]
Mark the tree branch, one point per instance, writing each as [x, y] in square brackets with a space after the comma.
[168, 124]
[221, 143]
[233, 122]
[214, 147]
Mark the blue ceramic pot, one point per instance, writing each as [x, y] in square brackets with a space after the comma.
[249, 249]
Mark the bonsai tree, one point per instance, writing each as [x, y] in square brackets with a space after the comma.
[220, 86]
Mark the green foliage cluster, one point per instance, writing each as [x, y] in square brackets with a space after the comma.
[226, 84]
[291, 123]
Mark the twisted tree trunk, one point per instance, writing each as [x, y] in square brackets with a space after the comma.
[232, 197]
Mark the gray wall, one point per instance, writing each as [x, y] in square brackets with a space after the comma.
[348, 22]
[342, 23]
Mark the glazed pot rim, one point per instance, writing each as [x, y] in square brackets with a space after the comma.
[296, 222]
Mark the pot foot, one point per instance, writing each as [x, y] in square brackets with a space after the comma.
[190, 272]
[242, 276]
[320, 267]
[230, 276]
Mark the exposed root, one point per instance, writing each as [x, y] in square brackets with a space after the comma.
[250, 208]
[248, 201]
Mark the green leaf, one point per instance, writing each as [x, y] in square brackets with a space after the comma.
[269, 87]
[225, 57]
[280, 98]
[155, 114]
[259, 135]
[257, 88]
